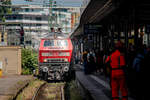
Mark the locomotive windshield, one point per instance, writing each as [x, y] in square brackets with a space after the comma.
[62, 43]
[48, 43]
[55, 43]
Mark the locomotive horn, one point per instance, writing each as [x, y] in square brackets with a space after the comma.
[52, 30]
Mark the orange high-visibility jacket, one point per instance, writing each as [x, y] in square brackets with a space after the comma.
[117, 61]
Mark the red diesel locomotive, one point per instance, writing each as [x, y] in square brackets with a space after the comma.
[55, 53]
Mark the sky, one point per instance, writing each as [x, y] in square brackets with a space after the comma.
[59, 2]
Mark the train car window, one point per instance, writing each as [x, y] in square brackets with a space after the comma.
[48, 43]
[62, 43]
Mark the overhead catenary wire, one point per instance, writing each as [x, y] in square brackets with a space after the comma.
[38, 6]
[61, 3]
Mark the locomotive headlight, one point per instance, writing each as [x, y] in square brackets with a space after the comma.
[65, 60]
[64, 54]
[66, 69]
[45, 60]
[45, 69]
[47, 54]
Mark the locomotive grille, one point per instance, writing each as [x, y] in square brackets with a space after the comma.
[56, 60]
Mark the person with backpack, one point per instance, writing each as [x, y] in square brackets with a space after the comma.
[99, 62]
[117, 64]
[139, 63]
[84, 58]
[91, 61]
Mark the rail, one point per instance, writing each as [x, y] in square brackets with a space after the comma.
[56, 92]
[37, 91]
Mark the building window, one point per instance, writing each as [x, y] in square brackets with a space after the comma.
[62, 16]
[27, 18]
[19, 17]
[38, 25]
[32, 10]
[38, 18]
[13, 9]
[14, 17]
[27, 10]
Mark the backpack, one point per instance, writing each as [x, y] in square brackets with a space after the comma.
[138, 62]
[91, 57]
[85, 56]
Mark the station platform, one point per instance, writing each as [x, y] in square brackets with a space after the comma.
[10, 85]
[97, 85]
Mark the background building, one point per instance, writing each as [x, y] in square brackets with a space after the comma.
[36, 21]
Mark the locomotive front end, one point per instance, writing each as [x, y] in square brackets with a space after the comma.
[54, 58]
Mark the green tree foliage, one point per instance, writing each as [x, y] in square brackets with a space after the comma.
[5, 9]
[29, 61]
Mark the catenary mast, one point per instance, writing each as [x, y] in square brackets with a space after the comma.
[50, 15]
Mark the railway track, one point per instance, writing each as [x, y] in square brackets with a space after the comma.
[50, 91]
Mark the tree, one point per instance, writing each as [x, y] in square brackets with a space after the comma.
[29, 61]
[5, 9]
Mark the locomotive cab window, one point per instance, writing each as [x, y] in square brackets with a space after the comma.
[48, 43]
[62, 43]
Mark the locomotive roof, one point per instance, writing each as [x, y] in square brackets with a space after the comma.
[56, 35]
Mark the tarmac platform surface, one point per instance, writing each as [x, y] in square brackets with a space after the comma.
[97, 85]
[10, 85]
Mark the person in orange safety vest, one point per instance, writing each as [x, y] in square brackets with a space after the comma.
[118, 82]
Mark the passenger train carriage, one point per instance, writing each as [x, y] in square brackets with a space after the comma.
[55, 53]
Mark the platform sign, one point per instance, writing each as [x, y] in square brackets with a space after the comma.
[92, 28]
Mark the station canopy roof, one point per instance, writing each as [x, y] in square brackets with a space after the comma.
[94, 13]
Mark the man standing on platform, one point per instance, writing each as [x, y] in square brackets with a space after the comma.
[117, 64]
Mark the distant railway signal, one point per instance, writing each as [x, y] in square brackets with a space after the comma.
[21, 36]
[2, 37]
